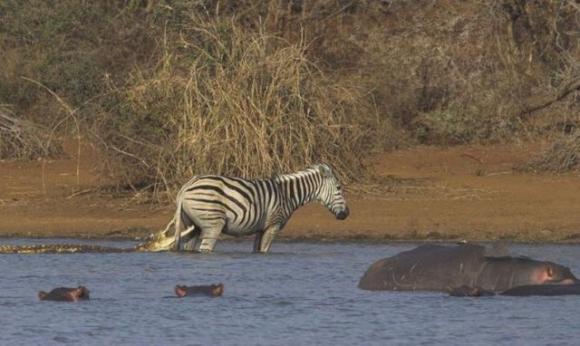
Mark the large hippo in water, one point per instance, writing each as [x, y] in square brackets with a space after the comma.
[458, 268]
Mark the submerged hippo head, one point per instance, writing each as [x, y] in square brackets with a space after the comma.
[207, 290]
[65, 294]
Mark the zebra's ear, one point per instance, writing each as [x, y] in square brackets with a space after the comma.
[325, 170]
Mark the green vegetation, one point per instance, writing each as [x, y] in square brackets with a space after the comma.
[172, 88]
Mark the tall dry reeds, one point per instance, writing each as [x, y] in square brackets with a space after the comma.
[227, 100]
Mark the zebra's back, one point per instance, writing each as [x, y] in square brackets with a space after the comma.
[243, 204]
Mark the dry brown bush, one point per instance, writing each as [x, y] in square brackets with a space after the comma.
[24, 140]
[227, 100]
[563, 156]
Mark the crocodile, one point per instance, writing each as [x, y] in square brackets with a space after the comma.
[59, 248]
[160, 241]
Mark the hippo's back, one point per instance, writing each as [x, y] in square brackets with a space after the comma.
[427, 267]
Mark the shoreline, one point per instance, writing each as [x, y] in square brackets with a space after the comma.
[313, 240]
[422, 194]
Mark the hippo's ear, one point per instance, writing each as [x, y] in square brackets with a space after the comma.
[217, 290]
[83, 292]
[180, 291]
[550, 271]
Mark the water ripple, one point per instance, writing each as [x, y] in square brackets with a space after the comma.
[302, 293]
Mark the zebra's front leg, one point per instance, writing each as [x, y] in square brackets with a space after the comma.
[209, 236]
[263, 240]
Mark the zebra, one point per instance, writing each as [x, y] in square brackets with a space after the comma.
[210, 205]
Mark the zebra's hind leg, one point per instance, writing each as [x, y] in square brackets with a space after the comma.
[190, 235]
[258, 241]
[209, 236]
[264, 240]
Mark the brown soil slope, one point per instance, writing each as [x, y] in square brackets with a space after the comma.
[465, 192]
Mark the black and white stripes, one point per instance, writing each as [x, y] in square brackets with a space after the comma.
[210, 205]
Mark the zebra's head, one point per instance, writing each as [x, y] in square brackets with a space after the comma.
[330, 192]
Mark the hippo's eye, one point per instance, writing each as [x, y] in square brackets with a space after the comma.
[550, 271]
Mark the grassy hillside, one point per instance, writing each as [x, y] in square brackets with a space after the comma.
[169, 89]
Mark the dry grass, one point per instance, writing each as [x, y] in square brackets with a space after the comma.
[236, 102]
[563, 156]
[24, 140]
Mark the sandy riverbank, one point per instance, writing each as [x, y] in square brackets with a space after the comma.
[465, 192]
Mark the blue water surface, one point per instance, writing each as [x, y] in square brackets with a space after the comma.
[299, 294]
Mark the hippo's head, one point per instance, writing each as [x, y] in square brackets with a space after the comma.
[552, 273]
[209, 290]
[503, 273]
[80, 293]
[65, 294]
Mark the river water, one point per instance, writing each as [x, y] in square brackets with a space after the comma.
[299, 294]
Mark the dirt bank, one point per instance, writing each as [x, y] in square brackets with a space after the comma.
[465, 192]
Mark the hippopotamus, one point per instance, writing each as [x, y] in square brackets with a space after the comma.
[464, 270]
[206, 290]
[65, 294]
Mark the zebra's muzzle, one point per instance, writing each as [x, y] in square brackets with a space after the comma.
[343, 214]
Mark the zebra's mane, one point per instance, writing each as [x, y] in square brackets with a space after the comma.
[294, 175]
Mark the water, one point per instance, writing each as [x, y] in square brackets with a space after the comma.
[300, 294]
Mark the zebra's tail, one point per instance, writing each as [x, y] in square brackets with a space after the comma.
[178, 214]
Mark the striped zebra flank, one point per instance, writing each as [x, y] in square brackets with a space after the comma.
[208, 206]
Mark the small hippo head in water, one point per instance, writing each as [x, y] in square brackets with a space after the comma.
[203, 290]
[65, 294]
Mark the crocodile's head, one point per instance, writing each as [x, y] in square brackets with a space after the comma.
[157, 242]
[160, 241]
[164, 240]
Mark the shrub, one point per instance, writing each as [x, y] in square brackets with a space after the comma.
[562, 156]
[228, 100]
[23, 140]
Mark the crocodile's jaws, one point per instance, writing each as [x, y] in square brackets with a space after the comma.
[160, 241]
